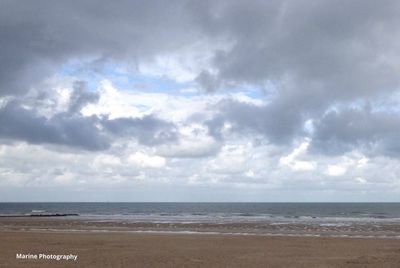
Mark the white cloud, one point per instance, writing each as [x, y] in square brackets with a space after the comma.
[293, 161]
[67, 178]
[352, 163]
[250, 173]
[335, 170]
[143, 160]
[361, 180]
[107, 163]
[362, 162]
[116, 103]
[194, 141]
[232, 159]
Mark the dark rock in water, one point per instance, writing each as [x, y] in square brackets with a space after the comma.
[53, 214]
[39, 215]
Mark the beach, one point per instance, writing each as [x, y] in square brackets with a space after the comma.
[124, 249]
[199, 235]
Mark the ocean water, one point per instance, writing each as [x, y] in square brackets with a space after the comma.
[280, 213]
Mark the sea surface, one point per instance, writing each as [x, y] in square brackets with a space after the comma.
[325, 213]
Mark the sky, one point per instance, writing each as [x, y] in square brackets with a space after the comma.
[202, 101]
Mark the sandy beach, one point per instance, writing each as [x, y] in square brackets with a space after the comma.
[124, 243]
[122, 249]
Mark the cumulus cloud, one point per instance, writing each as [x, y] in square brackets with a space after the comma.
[18, 123]
[148, 130]
[374, 132]
[291, 160]
[278, 123]
[193, 142]
[85, 132]
[146, 161]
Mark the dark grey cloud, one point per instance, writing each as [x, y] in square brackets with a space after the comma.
[280, 121]
[346, 48]
[18, 123]
[372, 132]
[278, 125]
[148, 130]
[80, 97]
[20, 119]
[87, 133]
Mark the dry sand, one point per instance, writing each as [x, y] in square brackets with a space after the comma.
[121, 249]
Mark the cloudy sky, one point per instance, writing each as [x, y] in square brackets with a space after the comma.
[200, 100]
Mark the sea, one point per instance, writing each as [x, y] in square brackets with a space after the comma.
[273, 213]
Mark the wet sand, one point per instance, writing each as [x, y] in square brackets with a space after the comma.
[361, 230]
[120, 249]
